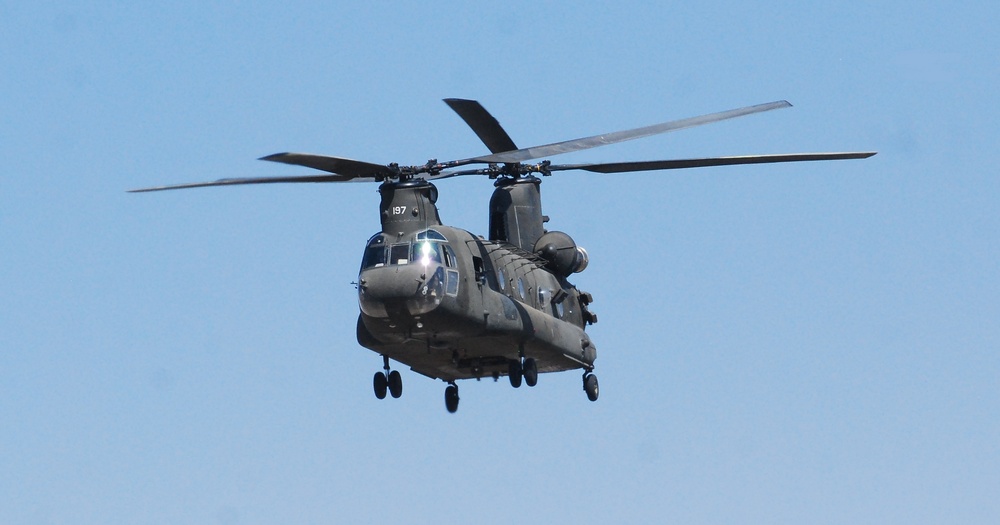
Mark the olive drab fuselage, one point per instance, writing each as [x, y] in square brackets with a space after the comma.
[452, 305]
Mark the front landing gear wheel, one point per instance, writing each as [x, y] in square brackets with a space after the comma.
[590, 386]
[395, 384]
[530, 372]
[514, 373]
[451, 398]
[390, 381]
[381, 384]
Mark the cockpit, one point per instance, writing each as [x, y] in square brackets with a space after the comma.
[390, 269]
[426, 247]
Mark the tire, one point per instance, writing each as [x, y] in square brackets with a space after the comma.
[530, 372]
[591, 386]
[514, 373]
[451, 398]
[395, 384]
[381, 384]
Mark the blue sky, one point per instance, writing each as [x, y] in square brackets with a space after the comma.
[792, 343]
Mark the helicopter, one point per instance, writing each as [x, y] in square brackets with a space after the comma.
[453, 305]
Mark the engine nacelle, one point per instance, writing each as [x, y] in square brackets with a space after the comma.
[563, 255]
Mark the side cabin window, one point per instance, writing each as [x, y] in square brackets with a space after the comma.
[477, 265]
[544, 296]
[376, 253]
[558, 310]
[449, 257]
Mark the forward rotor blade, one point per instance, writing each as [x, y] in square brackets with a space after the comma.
[624, 167]
[258, 180]
[338, 165]
[487, 127]
[340, 169]
[619, 136]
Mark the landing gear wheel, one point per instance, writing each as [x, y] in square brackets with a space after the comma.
[381, 384]
[514, 373]
[451, 398]
[530, 372]
[395, 384]
[590, 386]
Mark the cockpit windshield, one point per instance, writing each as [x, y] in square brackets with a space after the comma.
[425, 252]
[432, 235]
[427, 249]
[429, 246]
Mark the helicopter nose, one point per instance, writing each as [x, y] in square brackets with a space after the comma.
[408, 289]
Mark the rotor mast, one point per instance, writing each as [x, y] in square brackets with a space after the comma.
[516, 212]
[408, 206]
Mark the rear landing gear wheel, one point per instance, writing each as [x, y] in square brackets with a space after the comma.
[514, 373]
[590, 386]
[530, 372]
[395, 384]
[381, 384]
[451, 398]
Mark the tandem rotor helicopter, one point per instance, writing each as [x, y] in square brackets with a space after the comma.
[453, 305]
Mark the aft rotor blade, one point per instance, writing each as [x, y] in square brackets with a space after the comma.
[487, 127]
[258, 180]
[338, 165]
[557, 148]
[624, 167]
